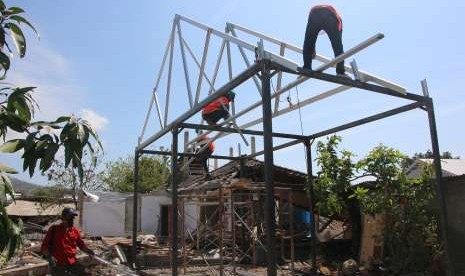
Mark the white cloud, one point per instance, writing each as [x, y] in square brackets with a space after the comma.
[97, 121]
[52, 74]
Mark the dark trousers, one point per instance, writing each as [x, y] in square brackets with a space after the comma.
[69, 270]
[203, 156]
[213, 117]
[322, 19]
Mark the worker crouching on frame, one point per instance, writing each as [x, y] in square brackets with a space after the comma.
[218, 109]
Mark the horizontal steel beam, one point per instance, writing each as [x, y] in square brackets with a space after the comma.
[238, 80]
[244, 131]
[187, 154]
[357, 84]
[282, 146]
[368, 119]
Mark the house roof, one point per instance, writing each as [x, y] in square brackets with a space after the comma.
[25, 208]
[450, 167]
[253, 170]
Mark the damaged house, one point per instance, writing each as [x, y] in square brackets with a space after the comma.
[223, 216]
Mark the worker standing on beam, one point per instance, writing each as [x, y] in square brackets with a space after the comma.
[323, 17]
[218, 109]
[204, 152]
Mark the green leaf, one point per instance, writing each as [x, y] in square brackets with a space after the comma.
[5, 63]
[61, 119]
[12, 146]
[18, 38]
[47, 161]
[32, 165]
[14, 122]
[2, 6]
[13, 10]
[68, 153]
[6, 183]
[21, 19]
[7, 169]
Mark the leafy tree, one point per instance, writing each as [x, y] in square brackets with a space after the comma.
[67, 178]
[50, 193]
[410, 236]
[411, 241]
[40, 140]
[332, 183]
[333, 188]
[153, 174]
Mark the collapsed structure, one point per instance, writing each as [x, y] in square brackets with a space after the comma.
[266, 194]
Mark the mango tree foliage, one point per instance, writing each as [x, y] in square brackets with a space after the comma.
[37, 142]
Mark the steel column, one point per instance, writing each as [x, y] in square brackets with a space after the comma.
[174, 203]
[439, 187]
[308, 151]
[134, 211]
[268, 170]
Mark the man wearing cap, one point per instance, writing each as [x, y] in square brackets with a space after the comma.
[218, 109]
[60, 244]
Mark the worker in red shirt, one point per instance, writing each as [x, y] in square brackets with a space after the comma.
[60, 243]
[218, 109]
[323, 17]
[204, 150]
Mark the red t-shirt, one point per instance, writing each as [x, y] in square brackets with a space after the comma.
[333, 10]
[215, 105]
[65, 241]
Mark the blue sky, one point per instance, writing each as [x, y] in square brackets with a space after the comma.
[100, 59]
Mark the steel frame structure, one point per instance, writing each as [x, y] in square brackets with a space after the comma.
[265, 66]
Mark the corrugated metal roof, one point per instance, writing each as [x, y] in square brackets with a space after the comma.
[227, 174]
[450, 167]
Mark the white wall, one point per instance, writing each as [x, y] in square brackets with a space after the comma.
[190, 216]
[151, 211]
[104, 218]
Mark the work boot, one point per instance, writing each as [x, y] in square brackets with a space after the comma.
[344, 75]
